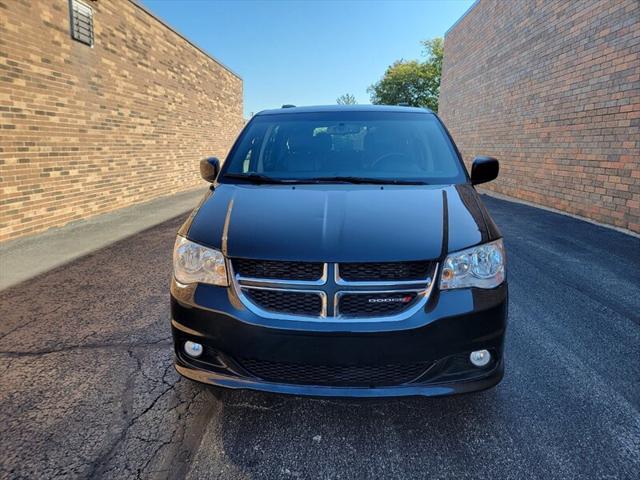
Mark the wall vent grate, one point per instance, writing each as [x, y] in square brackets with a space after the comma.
[81, 17]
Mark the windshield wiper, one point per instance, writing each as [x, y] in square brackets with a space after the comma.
[260, 178]
[257, 178]
[362, 180]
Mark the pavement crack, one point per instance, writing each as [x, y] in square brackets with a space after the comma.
[177, 459]
[90, 346]
[98, 469]
[153, 403]
[29, 322]
[250, 406]
[98, 466]
[197, 415]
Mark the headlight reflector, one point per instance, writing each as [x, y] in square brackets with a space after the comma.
[195, 263]
[482, 267]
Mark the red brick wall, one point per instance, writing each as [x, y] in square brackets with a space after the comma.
[552, 89]
[85, 130]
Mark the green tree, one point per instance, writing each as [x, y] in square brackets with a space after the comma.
[412, 81]
[434, 51]
[346, 99]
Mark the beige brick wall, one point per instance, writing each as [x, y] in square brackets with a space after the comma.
[85, 130]
[552, 89]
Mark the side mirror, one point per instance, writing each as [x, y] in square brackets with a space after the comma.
[209, 169]
[484, 169]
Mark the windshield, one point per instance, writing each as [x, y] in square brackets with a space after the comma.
[351, 146]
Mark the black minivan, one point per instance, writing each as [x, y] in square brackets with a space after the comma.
[341, 251]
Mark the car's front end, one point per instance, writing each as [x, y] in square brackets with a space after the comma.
[332, 288]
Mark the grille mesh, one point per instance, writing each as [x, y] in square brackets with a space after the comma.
[295, 303]
[361, 304]
[362, 375]
[384, 272]
[278, 270]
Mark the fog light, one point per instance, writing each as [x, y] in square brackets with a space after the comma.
[193, 349]
[480, 358]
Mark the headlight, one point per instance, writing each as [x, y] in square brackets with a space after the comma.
[195, 263]
[482, 267]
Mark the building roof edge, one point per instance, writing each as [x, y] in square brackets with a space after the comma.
[138, 4]
[473, 5]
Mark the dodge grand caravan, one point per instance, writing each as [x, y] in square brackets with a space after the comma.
[341, 251]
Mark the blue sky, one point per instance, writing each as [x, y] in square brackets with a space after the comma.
[308, 52]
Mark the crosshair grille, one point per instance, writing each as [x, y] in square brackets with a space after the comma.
[319, 290]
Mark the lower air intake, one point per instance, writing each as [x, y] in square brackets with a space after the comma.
[336, 375]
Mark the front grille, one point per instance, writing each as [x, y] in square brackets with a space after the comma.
[332, 291]
[278, 270]
[283, 301]
[336, 375]
[384, 272]
[374, 304]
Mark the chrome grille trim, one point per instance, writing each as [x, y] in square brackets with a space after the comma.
[385, 283]
[261, 312]
[279, 315]
[277, 281]
[423, 295]
[422, 288]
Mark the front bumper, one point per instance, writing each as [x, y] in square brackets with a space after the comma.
[440, 336]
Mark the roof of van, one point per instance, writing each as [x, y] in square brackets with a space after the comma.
[344, 108]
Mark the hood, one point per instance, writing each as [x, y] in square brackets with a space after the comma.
[340, 223]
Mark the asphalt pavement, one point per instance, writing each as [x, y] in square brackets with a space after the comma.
[88, 390]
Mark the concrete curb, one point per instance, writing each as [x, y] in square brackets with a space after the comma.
[25, 258]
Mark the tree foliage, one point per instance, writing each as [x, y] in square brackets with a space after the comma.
[346, 99]
[412, 81]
